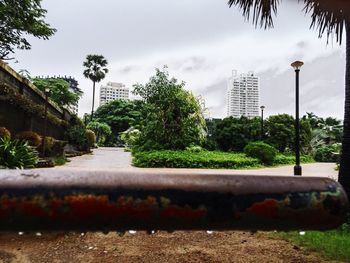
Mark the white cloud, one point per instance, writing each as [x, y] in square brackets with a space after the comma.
[200, 40]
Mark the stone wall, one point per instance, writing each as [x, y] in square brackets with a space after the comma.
[15, 119]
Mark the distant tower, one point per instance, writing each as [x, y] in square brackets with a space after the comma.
[113, 91]
[243, 95]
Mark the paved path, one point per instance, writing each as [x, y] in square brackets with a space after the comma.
[102, 158]
[117, 159]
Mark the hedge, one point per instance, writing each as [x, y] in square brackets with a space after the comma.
[205, 159]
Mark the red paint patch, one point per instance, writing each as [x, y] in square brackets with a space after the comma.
[268, 208]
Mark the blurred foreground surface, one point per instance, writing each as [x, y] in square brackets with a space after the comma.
[142, 247]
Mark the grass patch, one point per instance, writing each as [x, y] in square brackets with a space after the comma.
[334, 244]
[60, 161]
[205, 159]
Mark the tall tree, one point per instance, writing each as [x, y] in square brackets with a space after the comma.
[173, 118]
[327, 16]
[95, 70]
[59, 91]
[19, 19]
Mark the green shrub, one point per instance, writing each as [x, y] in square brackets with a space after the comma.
[187, 159]
[5, 133]
[327, 153]
[76, 136]
[282, 159]
[264, 152]
[49, 143]
[194, 149]
[130, 136]
[31, 137]
[91, 137]
[16, 154]
[58, 148]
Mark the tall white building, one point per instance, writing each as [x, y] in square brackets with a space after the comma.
[243, 95]
[113, 91]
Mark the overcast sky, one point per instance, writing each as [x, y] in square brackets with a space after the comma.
[201, 41]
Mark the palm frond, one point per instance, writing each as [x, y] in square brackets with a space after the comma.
[328, 16]
[261, 11]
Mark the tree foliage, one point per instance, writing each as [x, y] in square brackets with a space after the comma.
[233, 134]
[95, 70]
[172, 115]
[95, 67]
[59, 91]
[120, 115]
[327, 16]
[18, 19]
[101, 129]
[280, 131]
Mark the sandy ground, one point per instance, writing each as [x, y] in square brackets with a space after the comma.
[160, 247]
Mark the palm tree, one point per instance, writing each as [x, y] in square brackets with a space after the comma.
[95, 70]
[329, 17]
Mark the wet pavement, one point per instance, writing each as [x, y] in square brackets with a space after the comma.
[101, 158]
[105, 158]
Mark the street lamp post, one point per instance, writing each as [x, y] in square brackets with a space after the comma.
[262, 121]
[297, 168]
[47, 90]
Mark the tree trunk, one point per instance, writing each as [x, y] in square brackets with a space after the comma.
[93, 101]
[344, 172]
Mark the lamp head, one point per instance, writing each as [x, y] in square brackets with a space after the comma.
[297, 65]
[262, 107]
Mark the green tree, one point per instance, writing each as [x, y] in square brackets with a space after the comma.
[19, 19]
[59, 91]
[101, 129]
[330, 17]
[95, 70]
[173, 118]
[233, 134]
[120, 115]
[280, 130]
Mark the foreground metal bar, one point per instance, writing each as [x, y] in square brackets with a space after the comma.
[40, 200]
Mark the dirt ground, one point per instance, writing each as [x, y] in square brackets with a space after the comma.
[159, 247]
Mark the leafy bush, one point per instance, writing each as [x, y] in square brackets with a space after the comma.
[130, 136]
[101, 129]
[58, 148]
[187, 159]
[91, 137]
[281, 159]
[4, 133]
[76, 136]
[32, 138]
[327, 153]
[49, 143]
[194, 149]
[17, 154]
[264, 152]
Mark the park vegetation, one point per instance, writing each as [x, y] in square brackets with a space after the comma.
[20, 19]
[59, 91]
[95, 70]
[166, 128]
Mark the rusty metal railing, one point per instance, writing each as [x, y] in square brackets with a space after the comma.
[39, 200]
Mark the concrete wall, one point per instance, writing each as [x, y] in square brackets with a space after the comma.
[15, 119]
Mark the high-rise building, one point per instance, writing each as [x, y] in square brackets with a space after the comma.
[243, 95]
[113, 91]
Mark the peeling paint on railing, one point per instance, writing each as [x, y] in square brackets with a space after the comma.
[51, 200]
